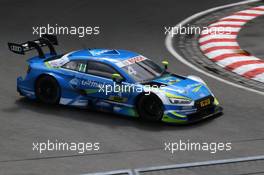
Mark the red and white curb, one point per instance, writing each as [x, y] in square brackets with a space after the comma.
[221, 46]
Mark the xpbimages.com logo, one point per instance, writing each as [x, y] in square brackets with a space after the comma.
[187, 145]
[79, 147]
[80, 31]
[128, 88]
[194, 30]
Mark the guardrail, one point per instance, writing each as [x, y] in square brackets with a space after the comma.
[117, 172]
[245, 165]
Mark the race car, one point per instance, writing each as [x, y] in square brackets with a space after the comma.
[118, 81]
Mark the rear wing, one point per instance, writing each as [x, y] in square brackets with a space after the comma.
[45, 40]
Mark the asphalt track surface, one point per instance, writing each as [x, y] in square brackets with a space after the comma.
[125, 143]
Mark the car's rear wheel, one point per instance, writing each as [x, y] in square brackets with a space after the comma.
[47, 90]
[150, 107]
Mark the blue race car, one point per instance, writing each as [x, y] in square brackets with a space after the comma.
[119, 81]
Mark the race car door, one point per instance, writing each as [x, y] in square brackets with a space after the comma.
[99, 86]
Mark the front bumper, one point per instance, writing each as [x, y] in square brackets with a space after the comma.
[174, 117]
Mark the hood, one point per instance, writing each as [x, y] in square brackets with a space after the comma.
[182, 86]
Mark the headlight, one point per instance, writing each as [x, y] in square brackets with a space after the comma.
[180, 101]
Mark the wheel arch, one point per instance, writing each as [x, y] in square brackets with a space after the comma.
[43, 75]
[150, 93]
[146, 114]
[55, 99]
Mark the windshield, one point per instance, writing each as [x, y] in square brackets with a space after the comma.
[144, 70]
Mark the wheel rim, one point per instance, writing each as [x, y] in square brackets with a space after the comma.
[153, 107]
[47, 91]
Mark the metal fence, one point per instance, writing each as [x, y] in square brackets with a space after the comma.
[238, 166]
[118, 172]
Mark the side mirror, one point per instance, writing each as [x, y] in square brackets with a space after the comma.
[117, 78]
[165, 63]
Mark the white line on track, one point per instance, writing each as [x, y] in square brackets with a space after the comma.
[169, 45]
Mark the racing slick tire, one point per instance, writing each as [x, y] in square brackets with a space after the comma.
[150, 107]
[47, 90]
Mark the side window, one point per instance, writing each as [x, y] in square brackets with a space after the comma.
[72, 65]
[100, 69]
[77, 65]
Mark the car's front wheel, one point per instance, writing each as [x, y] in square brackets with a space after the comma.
[47, 90]
[150, 107]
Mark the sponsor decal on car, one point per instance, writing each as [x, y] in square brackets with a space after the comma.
[132, 60]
